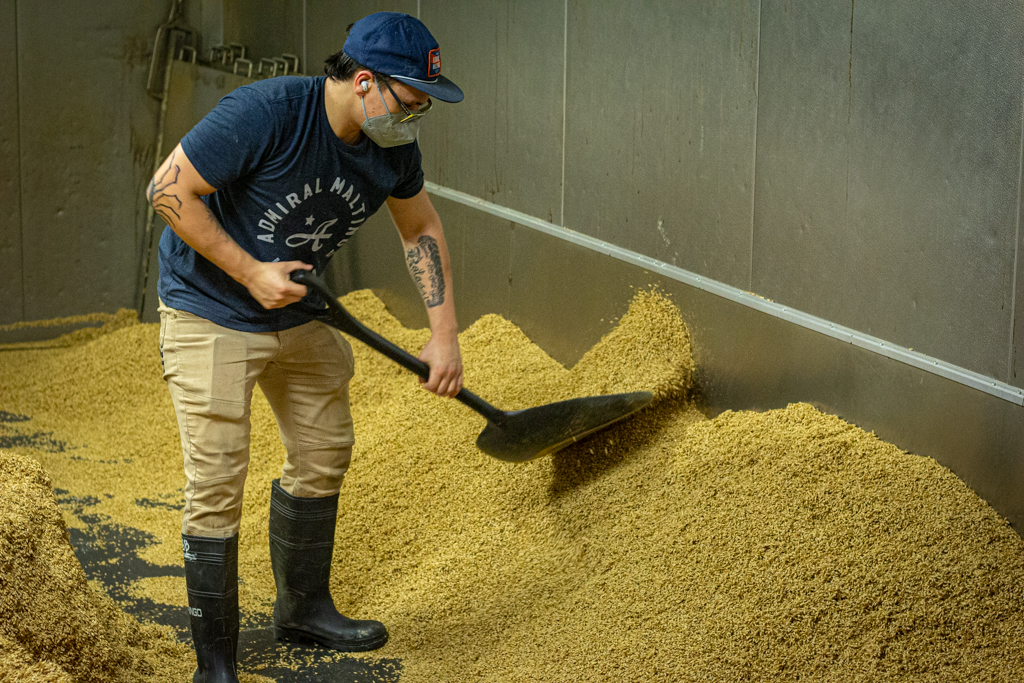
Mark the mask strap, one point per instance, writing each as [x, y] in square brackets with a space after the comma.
[382, 100]
[362, 101]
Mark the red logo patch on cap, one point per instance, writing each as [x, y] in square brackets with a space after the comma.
[434, 63]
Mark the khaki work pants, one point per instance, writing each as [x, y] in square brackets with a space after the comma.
[211, 371]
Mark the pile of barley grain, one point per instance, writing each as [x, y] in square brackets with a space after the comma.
[780, 546]
[53, 626]
[109, 322]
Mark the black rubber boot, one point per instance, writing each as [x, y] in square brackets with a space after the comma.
[211, 576]
[301, 546]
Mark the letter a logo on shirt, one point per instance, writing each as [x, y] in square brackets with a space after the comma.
[434, 63]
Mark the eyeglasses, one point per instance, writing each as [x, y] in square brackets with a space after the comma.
[409, 115]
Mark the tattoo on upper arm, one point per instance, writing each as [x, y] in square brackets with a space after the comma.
[424, 261]
[164, 202]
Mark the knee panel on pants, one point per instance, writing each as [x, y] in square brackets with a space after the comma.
[317, 471]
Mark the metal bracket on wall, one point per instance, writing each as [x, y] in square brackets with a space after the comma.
[279, 66]
[271, 65]
[171, 38]
[225, 55]
[246, 63]
[188, 54]
[229, 56]
[217, 54]
[889, 350]
[292, 62]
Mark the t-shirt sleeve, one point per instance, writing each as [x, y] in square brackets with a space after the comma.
[232, 139]
[411, 181]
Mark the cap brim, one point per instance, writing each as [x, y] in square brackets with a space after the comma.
[440, 88]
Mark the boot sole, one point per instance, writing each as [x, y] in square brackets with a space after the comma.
[292, 635]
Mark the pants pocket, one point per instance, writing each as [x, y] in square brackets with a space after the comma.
[210, 363]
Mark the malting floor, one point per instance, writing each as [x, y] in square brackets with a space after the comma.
[109, 553]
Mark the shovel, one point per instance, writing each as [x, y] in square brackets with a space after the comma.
[513, 436]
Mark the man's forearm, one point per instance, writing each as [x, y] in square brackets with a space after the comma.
[426, 256]
[192, 220]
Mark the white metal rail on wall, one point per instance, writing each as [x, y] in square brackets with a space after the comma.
[874, 344]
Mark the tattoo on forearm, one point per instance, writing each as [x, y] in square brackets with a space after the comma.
[164, 202]
[424, 261]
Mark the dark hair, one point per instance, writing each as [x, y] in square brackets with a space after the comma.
[341, 67]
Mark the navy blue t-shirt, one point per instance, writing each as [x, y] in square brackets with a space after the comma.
[287, 190]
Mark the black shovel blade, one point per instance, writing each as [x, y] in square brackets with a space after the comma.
[527, 434]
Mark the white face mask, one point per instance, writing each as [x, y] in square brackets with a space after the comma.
[391, 130]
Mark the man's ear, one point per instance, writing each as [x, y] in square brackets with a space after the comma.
[361, 82]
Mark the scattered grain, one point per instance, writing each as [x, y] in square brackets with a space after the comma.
[766, 547]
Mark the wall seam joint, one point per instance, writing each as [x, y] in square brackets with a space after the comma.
[511, 260]
[21, 160]
[565, 71]
[849, 122]
[753, 167]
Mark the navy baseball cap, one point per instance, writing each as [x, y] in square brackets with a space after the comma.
[401, 46]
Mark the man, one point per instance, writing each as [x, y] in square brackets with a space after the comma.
[274, 180]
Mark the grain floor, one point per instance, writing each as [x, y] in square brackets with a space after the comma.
[778, 546]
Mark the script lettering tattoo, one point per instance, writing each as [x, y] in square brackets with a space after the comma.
[424, 263]
[165, 203]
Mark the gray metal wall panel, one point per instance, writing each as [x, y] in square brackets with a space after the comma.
[151, 300]
[502, 143]
[923, 255]
[268, 28]
[373, 259]
[1017, 343]
[480, 247]
[206, 18]
[192, 93]
[563, 310]
[800, 227]
[934, 176]
[660, 125]
[11, 300]
[87, 132]
[326, 21]
[750, 360]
